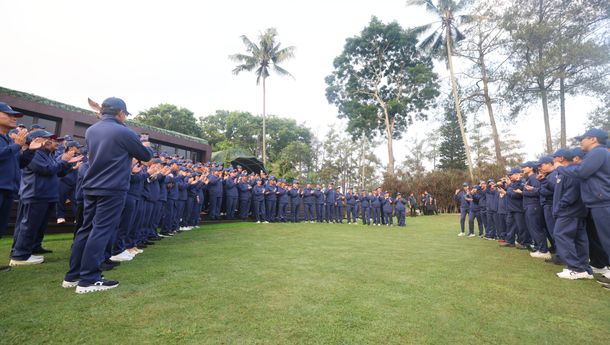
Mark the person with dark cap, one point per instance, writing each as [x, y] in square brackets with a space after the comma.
[67, 185]
[387, 209]
[365, 207]
[356, 211]
[330, 197]
[491, 204]
[547, 177]
[231, 192]
[462, 197]
[350, 204]
[170, 212]
[412, 205]
[515, 221]
[309, 201]
[11, 160]
[258, 198]
[214, 186]
[475, 211]
[534, 216]
[282, 201]
[502, 215]
[594, 171]
[570, 212]
[111, 147]
[319, 194]
[39, 193]
[376, 208]
[271, 199]
[245, 193]
[483, 204]
[339, 201]
[295, 201]
[400, 209]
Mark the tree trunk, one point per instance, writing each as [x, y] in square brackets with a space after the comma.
[545, 113]
[456, 99]
[562, 107]
[388, 129]
[492, 119]
[264, 125]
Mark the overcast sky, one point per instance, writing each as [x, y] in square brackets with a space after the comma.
[151, 52]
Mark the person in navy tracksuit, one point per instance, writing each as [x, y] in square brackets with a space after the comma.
[534, 215]
[376, 209]
[462, 197]
[245, 194]
[171, 207]
[38, 194]
[475, 211]
[67, 185]
[319, 195]
[365, 204]
[483, 205]
[547, 177]
[283, 200]
[491, 203]
[214, 187]
[12, 159]
[350, 203]
[570, 213]
[258, 198]
[594, 171]
[111, 146]
[78, 194]
[515, 220]
[339, 199]
[387, 209]
[330, 199]
[124, 239]
[400, 209]
[309, 201]
[502, 216]
[270, 199]
[231, 193]
[183, 184]
[295, 201]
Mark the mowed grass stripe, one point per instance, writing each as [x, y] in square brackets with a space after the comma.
[245, 283]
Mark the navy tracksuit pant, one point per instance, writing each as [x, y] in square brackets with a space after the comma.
[294, 211]
[501, 227]
[271, 209]
[6, 202]
[101, 219]
[259, 210]
[597, 254]
[244, 208]
[168, 216]
[282, 211]
[534, 219]
[572, 243]
[549, 222]
[490, 229]
[472, 216]
[376, 215]
[127, 217]
[320, 212]
[309, 214]
[176, 221]
[515, 223]
[339, 213]
[330, 212]
[231, 206]
[30, 226]
[366, 215]
[463, 213]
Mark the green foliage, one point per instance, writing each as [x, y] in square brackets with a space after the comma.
[381, 70]
[262, 56]
[452, 154]
[600, 117]
[169, 116]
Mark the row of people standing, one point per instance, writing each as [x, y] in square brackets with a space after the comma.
[558, 208]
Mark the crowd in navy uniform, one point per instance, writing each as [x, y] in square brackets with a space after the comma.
[125, 196]
[558, 208]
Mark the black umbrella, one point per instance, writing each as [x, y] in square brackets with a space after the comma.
[250, 164]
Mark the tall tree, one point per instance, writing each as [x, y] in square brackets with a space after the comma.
[263, 57]
[480, 143]
[381, 83]
[441, 43]
[169, 116]
[485, 37]
[413, 165]
[600, 117]
[452, 152]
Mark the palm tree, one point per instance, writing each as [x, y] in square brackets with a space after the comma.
[268, 53]
[440, 43]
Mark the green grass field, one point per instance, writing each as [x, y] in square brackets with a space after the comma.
[244, 283]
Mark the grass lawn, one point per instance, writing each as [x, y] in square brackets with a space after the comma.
[245, 283]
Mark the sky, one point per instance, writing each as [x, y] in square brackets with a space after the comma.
[152, 52]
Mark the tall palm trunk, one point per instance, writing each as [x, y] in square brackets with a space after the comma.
[264, 124]
[456, 99]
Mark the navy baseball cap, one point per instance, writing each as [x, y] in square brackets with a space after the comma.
[4, 108]
[578, 152]
[37, 126]
[514, 171]
[465, 184]
[545, 160]
[565, 153]
[113, 105]
[529, 164]
[593, 132]
[491, 181]
[73, 143]
[42, 134]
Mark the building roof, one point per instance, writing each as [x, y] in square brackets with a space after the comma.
[56, 104]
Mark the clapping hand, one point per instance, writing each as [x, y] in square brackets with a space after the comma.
[20, 137]
[37, 143]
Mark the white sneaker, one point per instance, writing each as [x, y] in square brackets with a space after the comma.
[98, 286]
[124, 256]
[258, 222]
[472, 235]
[32, 260]
[69, 285]
[266, 222]
[461, 234]
[61, 220]
[573, 275]
[540, 255]
[312, 222]
[603, 270]
[135, 250]
[186, 228]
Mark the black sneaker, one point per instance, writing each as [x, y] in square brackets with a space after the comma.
[97, 286]
[555, 260]
[42, 251]
[5, 268]
[601, 279]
